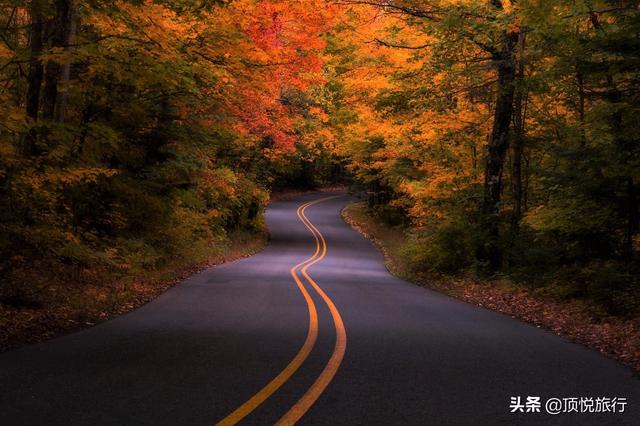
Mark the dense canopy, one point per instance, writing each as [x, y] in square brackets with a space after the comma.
[500, 134]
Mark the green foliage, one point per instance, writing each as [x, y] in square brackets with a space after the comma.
[135, 177]
[566, 217]
[447, 248]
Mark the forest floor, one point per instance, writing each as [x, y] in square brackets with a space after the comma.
[617, 338]
[81, 305]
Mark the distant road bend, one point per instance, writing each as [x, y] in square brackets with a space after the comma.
[313, 330]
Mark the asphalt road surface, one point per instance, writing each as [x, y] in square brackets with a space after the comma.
[240, 342]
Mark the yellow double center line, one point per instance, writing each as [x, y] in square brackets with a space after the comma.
[323, 380]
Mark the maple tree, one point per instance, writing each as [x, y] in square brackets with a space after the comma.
[497, 130]
[138, 132]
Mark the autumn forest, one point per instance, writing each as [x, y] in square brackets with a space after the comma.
[139, 137]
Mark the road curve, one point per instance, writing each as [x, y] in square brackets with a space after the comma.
[204, 348]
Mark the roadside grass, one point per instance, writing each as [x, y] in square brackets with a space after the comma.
[388, 239]
[616, 337]
[97, 296]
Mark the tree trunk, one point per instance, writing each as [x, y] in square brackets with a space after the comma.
[517, 150]
[581, 107]
[35, 65]
[632, 217]
[66, 68]
[614, 96]
[526, 178]
[53, 72]
[518, 140]
[497, 149]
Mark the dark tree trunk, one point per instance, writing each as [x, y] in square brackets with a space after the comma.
[581, 95]
[66, 68]
[632, 217]
[497, 149]
[518, 140]
[631, 204]
[517, 181]
[526, 179]
[581, 107]
[614, 96]
[60, 32]
[35, 65]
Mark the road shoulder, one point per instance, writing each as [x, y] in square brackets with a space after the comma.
[615, 338]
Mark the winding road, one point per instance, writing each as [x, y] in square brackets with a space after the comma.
[311, 330]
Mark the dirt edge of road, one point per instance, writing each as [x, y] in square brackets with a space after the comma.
[617, 339]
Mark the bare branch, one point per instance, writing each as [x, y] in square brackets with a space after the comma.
[400, 46]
